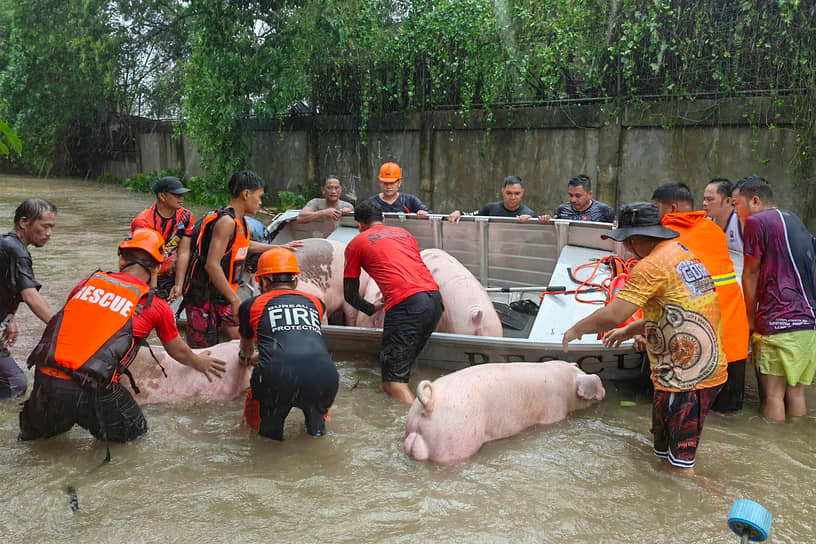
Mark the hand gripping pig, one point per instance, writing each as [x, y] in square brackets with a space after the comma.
[184, 383]
[468, 308]
[452, 417]
[321, 264]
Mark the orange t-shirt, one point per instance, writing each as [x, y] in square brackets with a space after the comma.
[708, 242]
[682, 313]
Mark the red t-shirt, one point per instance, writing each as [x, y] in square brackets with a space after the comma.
[157, 316]
[390, 255]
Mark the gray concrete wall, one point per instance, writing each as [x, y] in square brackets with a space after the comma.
[454, 162]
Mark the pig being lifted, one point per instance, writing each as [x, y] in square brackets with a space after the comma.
[468, 308]
[184, 383]
[321, 265]
[452, 417]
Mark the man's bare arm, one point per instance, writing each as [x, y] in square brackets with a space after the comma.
[37, 303]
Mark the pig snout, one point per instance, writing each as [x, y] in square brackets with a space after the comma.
[426, 399]
[589, 387]
[415, 446]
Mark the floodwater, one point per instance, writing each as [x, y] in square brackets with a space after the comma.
[200, 475]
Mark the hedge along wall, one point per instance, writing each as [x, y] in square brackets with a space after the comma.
[453, 162]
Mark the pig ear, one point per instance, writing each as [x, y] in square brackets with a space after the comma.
[589, 387]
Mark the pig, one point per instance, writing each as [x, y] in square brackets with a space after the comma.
[321, 264]
[452, 417]
[468, 308]
[184, 383]
[371, 294]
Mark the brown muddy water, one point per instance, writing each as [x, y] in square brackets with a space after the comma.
[200, 475]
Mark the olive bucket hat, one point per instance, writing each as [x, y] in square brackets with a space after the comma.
[641, 218]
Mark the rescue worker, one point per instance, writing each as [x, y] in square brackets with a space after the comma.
[174, 222]
[78, 367]
[411, 299]
[220, 243]
[293, 367]
[675, 203]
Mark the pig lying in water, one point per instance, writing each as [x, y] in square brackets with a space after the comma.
[184, 383]
[452, 417]
[468, 308]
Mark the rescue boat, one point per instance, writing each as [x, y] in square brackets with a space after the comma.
[542, 278]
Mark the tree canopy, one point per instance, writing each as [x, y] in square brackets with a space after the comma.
[68, 66]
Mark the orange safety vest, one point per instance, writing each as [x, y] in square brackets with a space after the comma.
[91, 338]
[171, 233]
[197, 282]
[707, 241]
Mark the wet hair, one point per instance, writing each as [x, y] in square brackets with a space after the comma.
[512, 180]
[331, 176]
[245, 180]
[581, 180]
[724, 186]
[138, 256]
[32, 209]
[752, 186]
[673, 192]
[368, 212]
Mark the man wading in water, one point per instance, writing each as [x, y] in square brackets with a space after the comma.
[78, 367]
[34, 222]
[220, 243]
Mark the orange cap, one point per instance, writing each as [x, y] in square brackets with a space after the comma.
[390, 172]
[148, 240]
[278, 260]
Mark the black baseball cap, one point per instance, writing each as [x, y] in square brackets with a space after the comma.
[170, 184]
[641, 218]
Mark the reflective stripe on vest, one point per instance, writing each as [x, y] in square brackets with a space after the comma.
[724, 279]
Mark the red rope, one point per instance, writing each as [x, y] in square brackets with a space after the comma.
[616, 264]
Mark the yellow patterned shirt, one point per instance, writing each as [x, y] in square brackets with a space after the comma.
[682, 314]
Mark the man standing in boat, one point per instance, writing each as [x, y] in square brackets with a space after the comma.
[220, 244]
[411, 299]
[581, 205]
[390, 199]
[707, 241]
[719, 205]
[780, 295]
[78, 367]
[34, 221]
[681, 325]
[510, 206]
[174, 222]
[328, 208]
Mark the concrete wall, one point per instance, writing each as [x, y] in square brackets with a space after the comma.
[452, 162]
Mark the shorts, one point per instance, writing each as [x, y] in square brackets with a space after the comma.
[788, 354]
[56, 405]
[733, 390]
[13, 381]
[407, 327]
[276, 389]
[202, 324]
[677, 422]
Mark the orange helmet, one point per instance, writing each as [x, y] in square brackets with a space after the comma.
[390, 172]
[278, 260]
[148, 240]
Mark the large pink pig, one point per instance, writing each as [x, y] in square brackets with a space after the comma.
[321, 265]
[453, 416]
[468, 308]
[184, 383]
